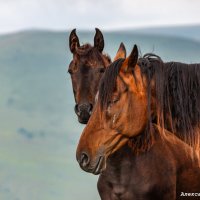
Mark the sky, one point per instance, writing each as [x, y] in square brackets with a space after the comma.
[18, 15]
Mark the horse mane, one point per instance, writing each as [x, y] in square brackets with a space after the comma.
[88, 50]
[177, 95]
[108, 83]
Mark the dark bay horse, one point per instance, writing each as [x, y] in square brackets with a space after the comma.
[91, 77]
[145, 161]
[86, 70]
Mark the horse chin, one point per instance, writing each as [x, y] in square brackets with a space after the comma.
[83, 120]
[100, 166]
[97, 167]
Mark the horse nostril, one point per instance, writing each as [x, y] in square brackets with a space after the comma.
[83, 109]
[90, 108]
[77, 110]
[84, 160]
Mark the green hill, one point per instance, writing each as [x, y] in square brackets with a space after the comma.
[190, 31]
[39, 130]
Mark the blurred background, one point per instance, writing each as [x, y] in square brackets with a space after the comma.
[39, 130]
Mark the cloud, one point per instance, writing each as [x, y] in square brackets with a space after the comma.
[87, 14]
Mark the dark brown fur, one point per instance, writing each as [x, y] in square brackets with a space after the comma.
[164, 172]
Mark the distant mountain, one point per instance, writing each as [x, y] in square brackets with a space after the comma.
[167, 47]
[39, 130]
[190, 31]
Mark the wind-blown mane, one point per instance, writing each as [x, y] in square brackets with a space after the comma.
[177, 94]
[177, 88]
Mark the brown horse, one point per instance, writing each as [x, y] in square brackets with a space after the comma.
[155, 164]
[94, 82]
[86, 70]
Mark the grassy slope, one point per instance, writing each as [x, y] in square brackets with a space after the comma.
[39, 130]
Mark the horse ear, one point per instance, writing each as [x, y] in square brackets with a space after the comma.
[98, 40]
[133, 58]
[121, 53]
[73, 41]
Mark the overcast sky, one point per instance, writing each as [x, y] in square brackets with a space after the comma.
[86, 14]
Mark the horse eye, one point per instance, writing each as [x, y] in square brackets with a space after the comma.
[102, 70]
[113, 101]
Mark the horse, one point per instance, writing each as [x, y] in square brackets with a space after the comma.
[136, 157]
[86, 69]
[92, 81]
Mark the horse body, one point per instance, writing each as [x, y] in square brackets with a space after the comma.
[148, 175]
[130, 179]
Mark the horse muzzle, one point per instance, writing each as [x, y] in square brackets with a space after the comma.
[94, 167]
[83, 112]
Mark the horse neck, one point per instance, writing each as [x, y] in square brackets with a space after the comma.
[122, 157]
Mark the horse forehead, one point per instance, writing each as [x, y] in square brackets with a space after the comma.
[88, 67]
[127, 79]
[134, 82]
[89, 61]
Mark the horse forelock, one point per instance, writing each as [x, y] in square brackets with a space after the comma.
[84, 49]
[108, 83]
[93, 53]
